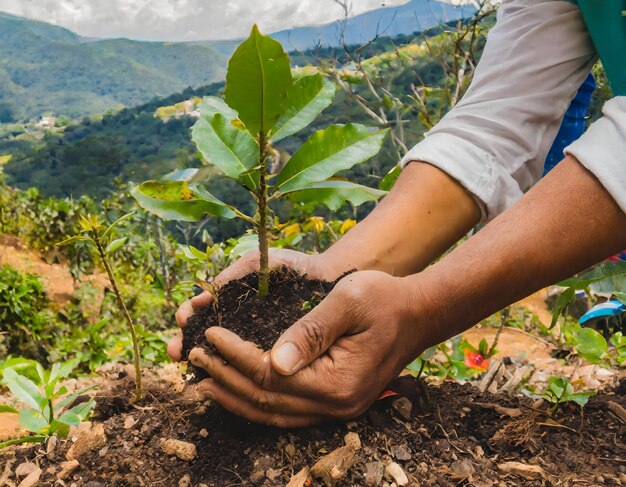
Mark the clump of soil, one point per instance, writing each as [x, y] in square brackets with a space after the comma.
[458, 437]
[259, 320]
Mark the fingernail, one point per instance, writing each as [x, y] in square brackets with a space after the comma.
[206, 392]
[287, 357]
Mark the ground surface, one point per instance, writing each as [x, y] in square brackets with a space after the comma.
[452, 435]
[484, 434]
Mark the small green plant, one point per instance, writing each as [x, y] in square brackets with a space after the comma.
[561, 391]
[100, 236]
[49, 410]
[263, 105]
[608, 278]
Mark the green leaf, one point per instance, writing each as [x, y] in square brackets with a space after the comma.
[306, 99]
[591, 344]
[390, 179]
[228, 147]
[24, 389]
[32, 420]
[582, 398]
[176, 200]
[121, 219]
[192, 253]
[5, 408]
[71, 240]
[257, 81]
[66, 401]
[327, 152]
[212, 105]
[561, 303]
[483, 347]
[621, 297]
[69, 418]
[83, 409]
[605, 271]
[335, 193]
[116, 245]
[244, 245]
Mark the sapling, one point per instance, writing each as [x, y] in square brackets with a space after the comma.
[100, 236]
[50, 409]
[263, 105]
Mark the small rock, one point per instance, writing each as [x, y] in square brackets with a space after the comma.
[374, 472]
[273, 473]
[129, 422]
[182, 449]
[403, 407]
[395, 471]
[89, 439]
[299, 479]
[334, 466]
[32, 479]
[290, 450]
[67, 469]
[51, 445]
[185, 481]
[463, 469]
[24, 469]
[353, 440]
[529, 472]
[401, 452]
[204, 433]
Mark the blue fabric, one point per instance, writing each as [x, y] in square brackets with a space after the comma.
[573, 125]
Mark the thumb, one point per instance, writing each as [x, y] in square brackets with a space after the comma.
[309, 338]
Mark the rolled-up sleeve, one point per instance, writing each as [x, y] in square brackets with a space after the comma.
[496, 139]
[602, 149]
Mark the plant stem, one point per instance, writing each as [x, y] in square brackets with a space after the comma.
[19, 441]
[264, 271]
[504, 316]
[129, 320]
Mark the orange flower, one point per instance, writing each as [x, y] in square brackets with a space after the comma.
[475, 360]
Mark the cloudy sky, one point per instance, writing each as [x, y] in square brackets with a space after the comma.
[182, 19]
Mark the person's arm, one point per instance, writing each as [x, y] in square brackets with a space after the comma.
[334, 362]
[566, 223]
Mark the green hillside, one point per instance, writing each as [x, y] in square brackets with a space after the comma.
[48, 68]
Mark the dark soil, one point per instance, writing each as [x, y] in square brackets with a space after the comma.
[458, 437]
[259, 320]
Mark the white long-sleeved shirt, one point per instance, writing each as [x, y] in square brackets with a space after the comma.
[496, 139]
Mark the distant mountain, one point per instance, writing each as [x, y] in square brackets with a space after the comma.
[48, 68]
[414, 16]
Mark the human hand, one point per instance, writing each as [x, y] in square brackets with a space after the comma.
[314, 266]
[332, 364]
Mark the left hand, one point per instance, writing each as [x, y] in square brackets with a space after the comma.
[331, 364]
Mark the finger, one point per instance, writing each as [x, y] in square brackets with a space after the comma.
[183, 313]
[175, 348]
[202, 300]
[242, 267]
[310, 337]
[312, 382]
[239, 407]
[248, 390]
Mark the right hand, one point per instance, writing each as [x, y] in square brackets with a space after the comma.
[314, 266]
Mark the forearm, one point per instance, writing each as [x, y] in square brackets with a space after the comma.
[566, 223]
[422, 217]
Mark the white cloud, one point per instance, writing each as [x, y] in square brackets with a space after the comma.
[182, 19]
